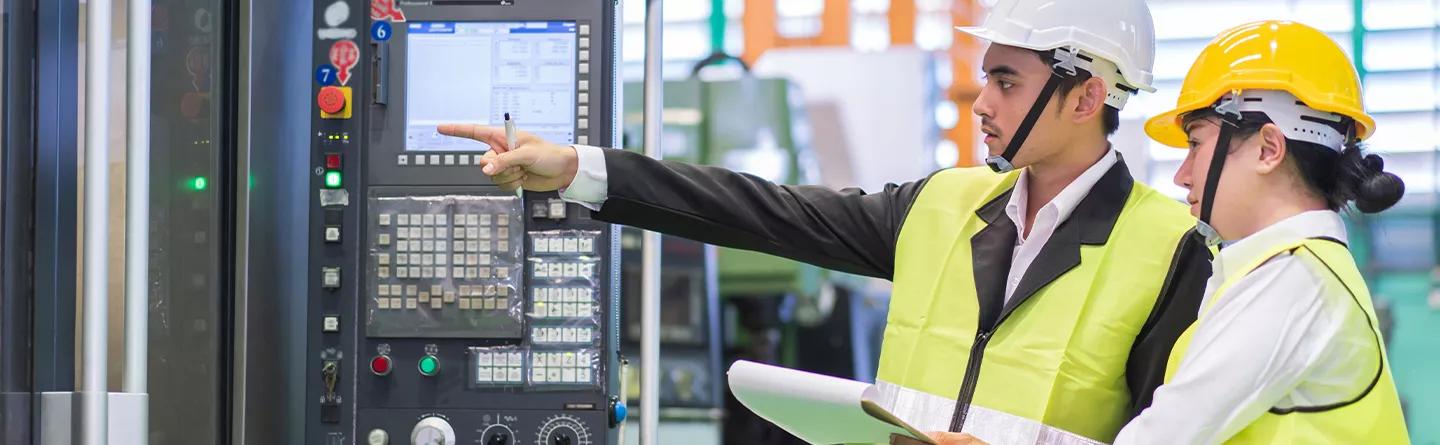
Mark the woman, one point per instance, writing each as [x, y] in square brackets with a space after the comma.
[1285, 349]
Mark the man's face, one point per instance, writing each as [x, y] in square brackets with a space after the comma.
[1013, 80]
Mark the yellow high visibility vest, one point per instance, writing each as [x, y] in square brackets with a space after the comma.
[1052, 359]
[1373, 417]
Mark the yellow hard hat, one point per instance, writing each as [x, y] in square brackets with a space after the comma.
[1268, 55]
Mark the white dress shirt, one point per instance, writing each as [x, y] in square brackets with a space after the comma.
[1048, 218]
[1281, 337]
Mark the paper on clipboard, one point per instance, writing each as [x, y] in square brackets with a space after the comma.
[816, 408]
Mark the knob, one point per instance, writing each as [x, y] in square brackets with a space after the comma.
[562, 440]
[331, 100]
[433, 431]
[499, 439]
[378, 437]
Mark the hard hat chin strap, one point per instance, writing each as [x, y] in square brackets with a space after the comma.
[1230, 120]
[1063, 68]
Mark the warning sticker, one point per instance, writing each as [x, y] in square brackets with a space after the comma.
[386, 10]
[344, 54]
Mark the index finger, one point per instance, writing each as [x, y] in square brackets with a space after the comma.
[490, 135]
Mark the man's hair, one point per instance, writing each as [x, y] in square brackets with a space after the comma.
[1110, 116]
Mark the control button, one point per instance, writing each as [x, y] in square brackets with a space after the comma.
[378, 437]
[332, 234]
[333, 179]
[433, 431]
[419, 159]
[402, 160]
[582, 139]
[557, 209]
[331, 100]
[584, 111]
[584, 30]
[584, 123]
[584, 98]
[331, 323]
[449, 159]
[584, 56]
[381, 365]
[434, 159]
[584, 85]
[584, 42]
[618, 412]
[477, 159]
[464, 160]
[499, 439]
[332, 161]
[584, 68]
[429, 366]
[330, 277]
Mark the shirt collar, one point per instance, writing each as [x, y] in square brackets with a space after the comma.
[1065, 202]
[1247, 250]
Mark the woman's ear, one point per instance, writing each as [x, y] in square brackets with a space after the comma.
[1272, 149]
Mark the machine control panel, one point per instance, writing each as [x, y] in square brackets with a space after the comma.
[442, 309]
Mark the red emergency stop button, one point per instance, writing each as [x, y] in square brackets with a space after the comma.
[380, 365]
[332, 161]
[331, 100]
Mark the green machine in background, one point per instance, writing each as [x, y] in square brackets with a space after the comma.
[751, 125]
[774, 310]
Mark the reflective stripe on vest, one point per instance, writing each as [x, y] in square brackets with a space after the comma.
[1373, 417]
[1059, 357]
[929, 412]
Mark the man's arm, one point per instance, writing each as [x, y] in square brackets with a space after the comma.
[846, 230]
[1174, 311]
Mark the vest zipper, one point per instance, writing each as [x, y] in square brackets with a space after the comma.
[972, 376]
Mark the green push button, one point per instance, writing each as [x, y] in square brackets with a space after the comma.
[429, 366]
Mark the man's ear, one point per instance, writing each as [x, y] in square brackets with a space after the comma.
[1089, 102]
[1273, 149]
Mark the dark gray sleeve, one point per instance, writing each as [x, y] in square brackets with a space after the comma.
[846, 230]
[1174, 311]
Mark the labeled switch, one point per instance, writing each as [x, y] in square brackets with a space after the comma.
[330, 277]
[332, 234]
[334, 102]
[331, 323]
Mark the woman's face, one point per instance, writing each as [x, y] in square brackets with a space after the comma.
[1235, 198]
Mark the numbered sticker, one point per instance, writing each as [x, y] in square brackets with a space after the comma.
[325, 74]
[380, 31]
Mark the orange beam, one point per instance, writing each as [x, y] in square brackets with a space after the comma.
[902, 22]
[761, 35]
[965, 53]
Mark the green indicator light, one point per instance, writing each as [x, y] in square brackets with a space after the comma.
[429, 366]
[197, 183]
[332, 179]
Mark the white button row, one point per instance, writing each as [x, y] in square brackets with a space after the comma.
[433, 302]
[564, 295]
[438, 160]
[565, 270]
[546, 244]
[487, 374]
[501, 359]
[561, 335]
[563, 310]
[442, 246]
[560, 367]
[441, 219]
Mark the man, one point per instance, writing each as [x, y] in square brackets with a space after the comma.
[1041, 301]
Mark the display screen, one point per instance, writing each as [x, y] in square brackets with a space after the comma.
[475, 72]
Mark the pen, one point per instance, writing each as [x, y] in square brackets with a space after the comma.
[510, 144]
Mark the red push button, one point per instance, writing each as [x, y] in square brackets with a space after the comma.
[332, 161]
[380, 365]
[331, 100]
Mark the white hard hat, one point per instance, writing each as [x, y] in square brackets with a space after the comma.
[1118, 31]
